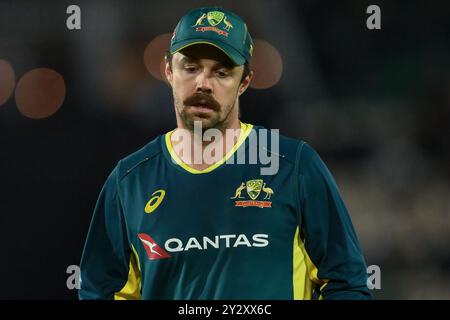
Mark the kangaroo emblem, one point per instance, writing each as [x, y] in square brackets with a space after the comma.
[238, 191]
[268, 191]
[228, 24]
[200, 20]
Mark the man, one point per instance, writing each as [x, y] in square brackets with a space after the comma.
[169, 227]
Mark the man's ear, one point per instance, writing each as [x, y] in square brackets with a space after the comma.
[245, 83]
[168, 71]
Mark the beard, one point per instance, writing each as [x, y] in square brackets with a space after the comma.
[216, 117]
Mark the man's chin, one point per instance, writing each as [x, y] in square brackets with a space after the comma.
[201, 121]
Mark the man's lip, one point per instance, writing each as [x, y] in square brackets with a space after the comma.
[202, 107]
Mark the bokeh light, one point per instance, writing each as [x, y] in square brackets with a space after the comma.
[40, 93]
[266, 64]
[7, 81]
[154, 55]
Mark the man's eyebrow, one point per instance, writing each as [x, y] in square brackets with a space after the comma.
[188, 59]
[220, 64]
[228, 66]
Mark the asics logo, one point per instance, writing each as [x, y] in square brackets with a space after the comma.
[155, 201]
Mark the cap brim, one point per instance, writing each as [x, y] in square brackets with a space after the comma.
[232, 53]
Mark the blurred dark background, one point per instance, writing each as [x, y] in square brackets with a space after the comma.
[374, 103]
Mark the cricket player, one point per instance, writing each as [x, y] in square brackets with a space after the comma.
[168, 227]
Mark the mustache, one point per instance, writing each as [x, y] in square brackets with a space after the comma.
[202, 99]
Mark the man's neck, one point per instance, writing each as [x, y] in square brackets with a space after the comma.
[201, 149]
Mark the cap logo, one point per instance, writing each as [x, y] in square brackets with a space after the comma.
[228, 24]
[215, 17]
[200, 20]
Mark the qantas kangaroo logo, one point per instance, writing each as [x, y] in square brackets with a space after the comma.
[154, 251]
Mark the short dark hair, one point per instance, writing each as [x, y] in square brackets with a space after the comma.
[169, 57]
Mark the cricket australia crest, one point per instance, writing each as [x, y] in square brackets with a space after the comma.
[217, 22]
[253, 188]
[215, 17]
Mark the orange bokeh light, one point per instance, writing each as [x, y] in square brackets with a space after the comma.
[40, 93]
[7, 81]
[266, 64]
[154, 55]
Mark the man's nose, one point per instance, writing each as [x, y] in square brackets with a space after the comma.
[204, 82]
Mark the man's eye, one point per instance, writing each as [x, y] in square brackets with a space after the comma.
[222, 74]
[190, 68]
